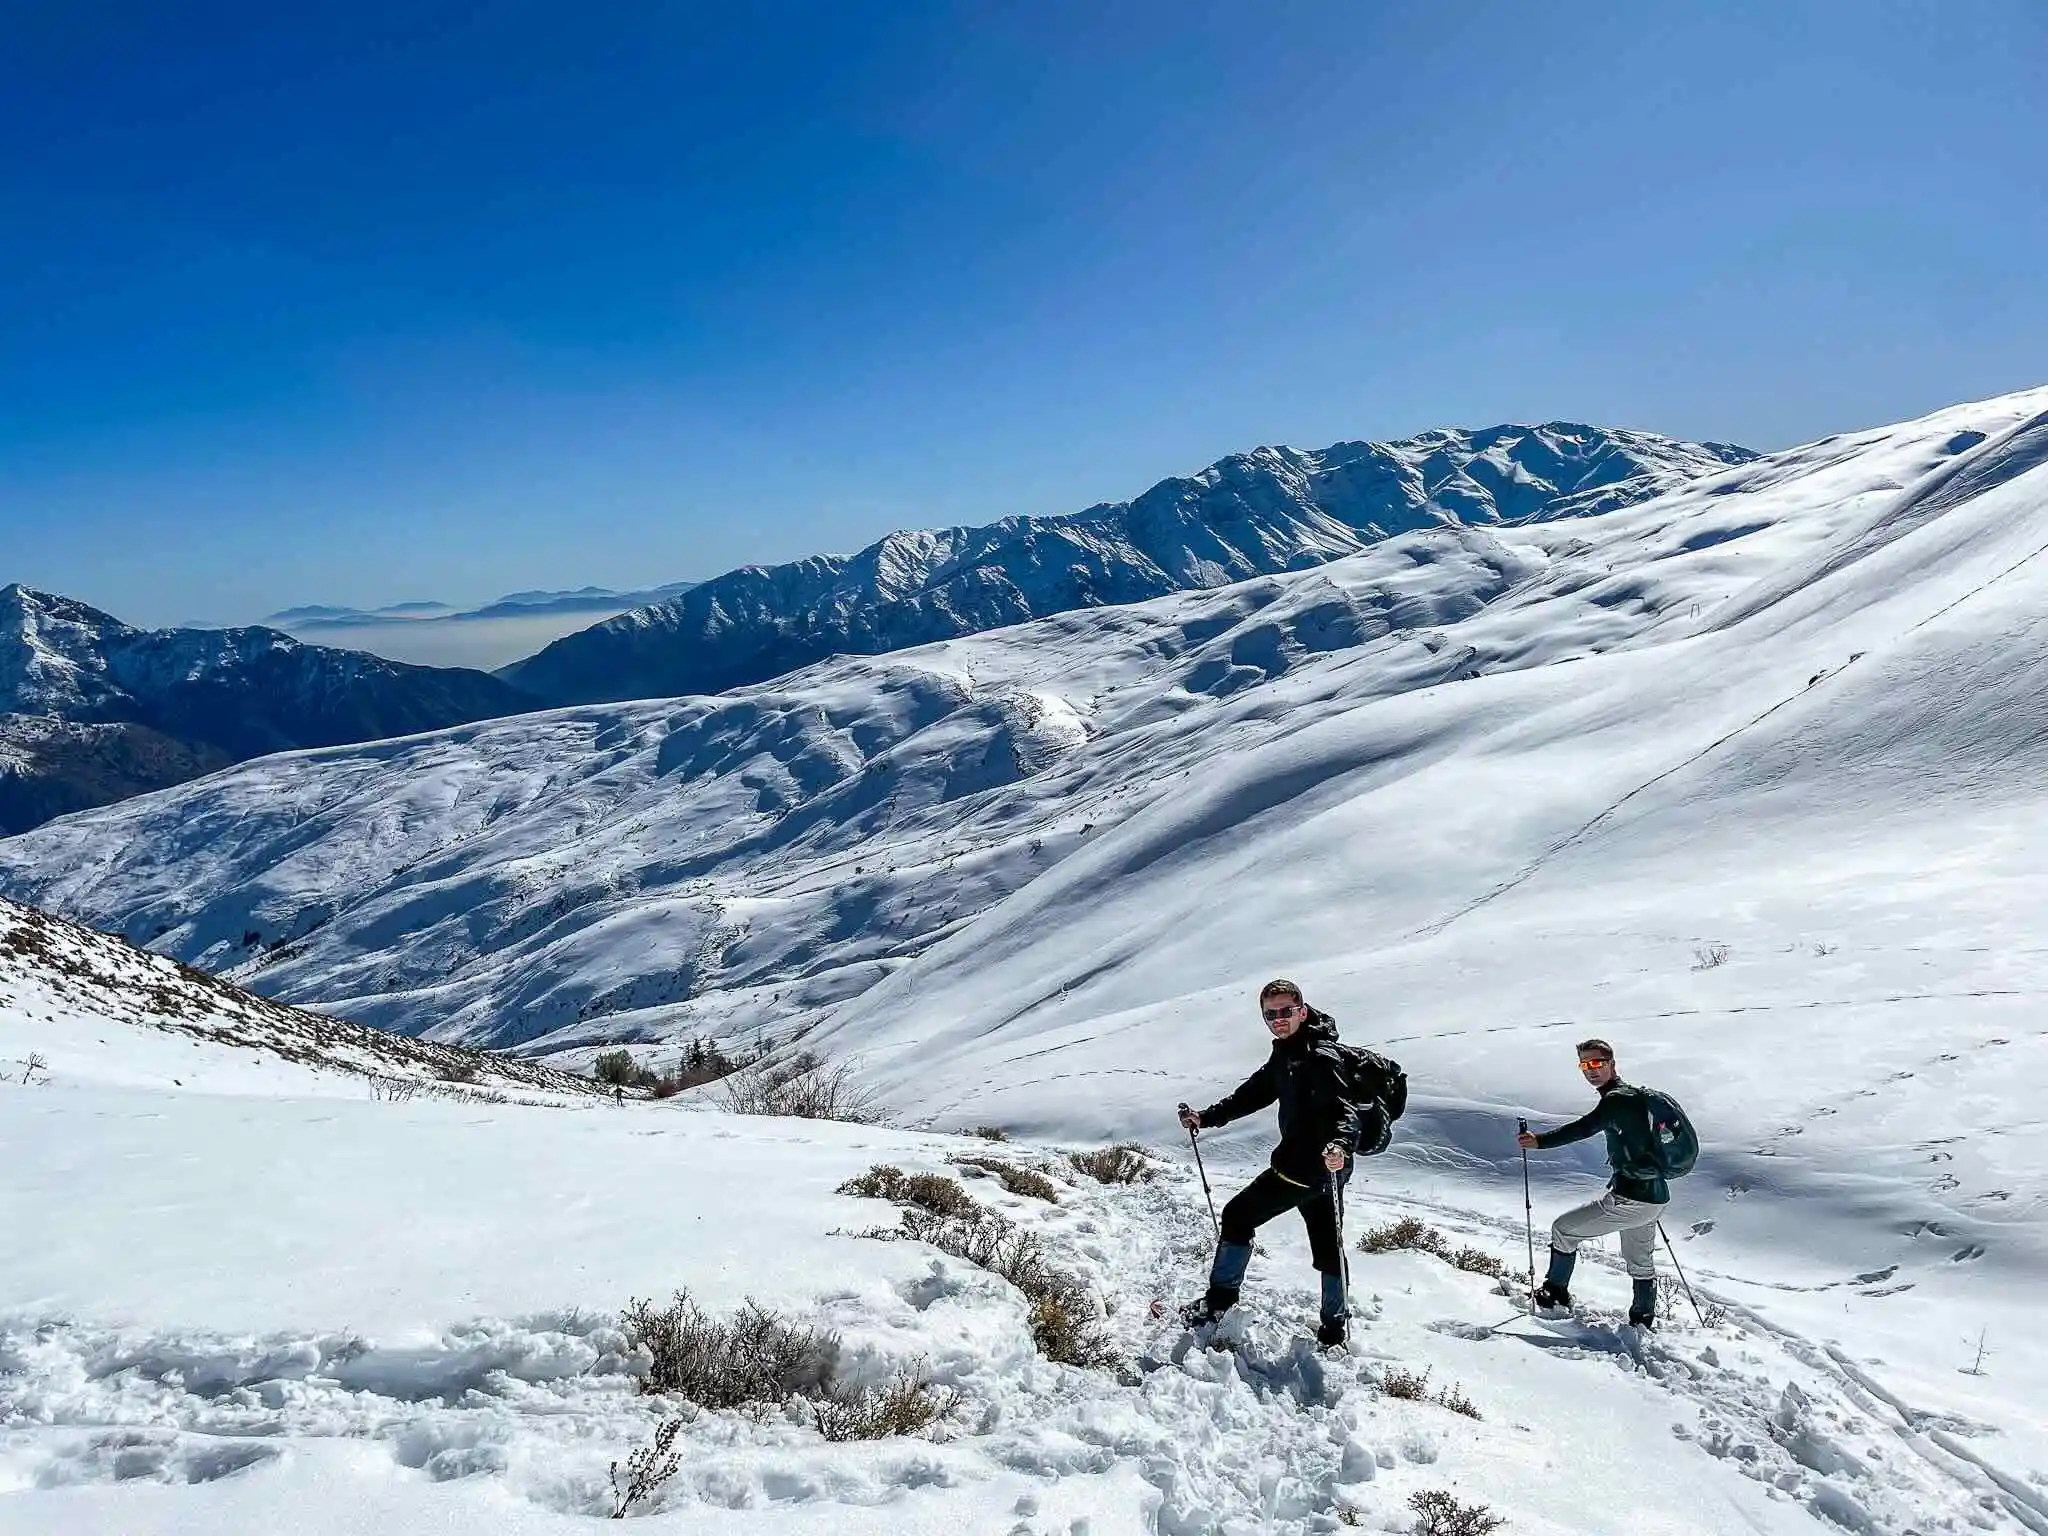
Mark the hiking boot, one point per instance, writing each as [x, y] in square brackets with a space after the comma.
[1642, 1312]
[1332, 1334]
[1552, 1297]
[1209, 1310]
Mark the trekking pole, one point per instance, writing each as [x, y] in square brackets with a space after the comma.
[1696, 1312]
[1204, 1173]
[1529, 1211]
[1343, 1256]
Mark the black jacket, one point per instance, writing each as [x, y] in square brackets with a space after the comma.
[1307, 1079]
[1631, 1152]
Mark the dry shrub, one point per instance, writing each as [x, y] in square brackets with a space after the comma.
[1017, 1180]
[804, 1087]
[756, 1356]
[647, 1469]
[990, 1133]
[1411, 1386]
[906, 1404]
[1477, 1261]
[1407, 1233]
[1124, 1163]
[927, 1191]
[1412, 1235]
[1673, 1302]
[1062, 1318]
[1437, 1513]
[1453, 1397]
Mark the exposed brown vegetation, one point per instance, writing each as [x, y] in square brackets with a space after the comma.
[1124, 1163]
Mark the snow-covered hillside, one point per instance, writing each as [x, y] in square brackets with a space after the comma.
[1745, 777]
[79, 1004]
[245, 1302]
[1271, 510]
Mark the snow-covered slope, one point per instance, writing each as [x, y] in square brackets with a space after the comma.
[1745, 778]
[187, 700]
[76, 1004]
[299, 1311]
[1274, 509]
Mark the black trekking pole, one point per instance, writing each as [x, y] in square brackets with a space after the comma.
[1696, 1312]
[1528, 1214]
[1194, 1142]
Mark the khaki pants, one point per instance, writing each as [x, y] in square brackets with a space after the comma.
[1635, 1220]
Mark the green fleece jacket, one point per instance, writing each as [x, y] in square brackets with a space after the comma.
[1624, 1115]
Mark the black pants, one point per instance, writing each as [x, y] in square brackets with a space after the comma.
[1268, 1196]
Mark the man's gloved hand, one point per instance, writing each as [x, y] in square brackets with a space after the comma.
[1190, 1118]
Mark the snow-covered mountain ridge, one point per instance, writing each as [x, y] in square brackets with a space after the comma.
[1252, 514]
[75, 1002]
[158, 706]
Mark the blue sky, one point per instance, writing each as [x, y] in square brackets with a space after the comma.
[373, 302]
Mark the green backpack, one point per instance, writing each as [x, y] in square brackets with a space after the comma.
[1674, 1144]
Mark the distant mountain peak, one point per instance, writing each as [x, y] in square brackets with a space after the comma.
[155, 707]
[1263, 510]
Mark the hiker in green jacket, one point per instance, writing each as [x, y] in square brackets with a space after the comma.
[1635, 1198]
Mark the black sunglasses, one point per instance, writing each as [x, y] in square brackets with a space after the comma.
[1275, 1014]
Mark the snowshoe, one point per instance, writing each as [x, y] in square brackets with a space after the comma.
[1204, 1313]
[1637, 1318]
[1331, 1335]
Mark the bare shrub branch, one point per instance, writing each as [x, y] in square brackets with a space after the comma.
[804, 1087]
[1439, 1514]
[647, 1469]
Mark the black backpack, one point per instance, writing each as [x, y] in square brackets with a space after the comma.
[1373, 1083]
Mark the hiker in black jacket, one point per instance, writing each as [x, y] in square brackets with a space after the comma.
[1321, 1129]
[1636, 1195]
